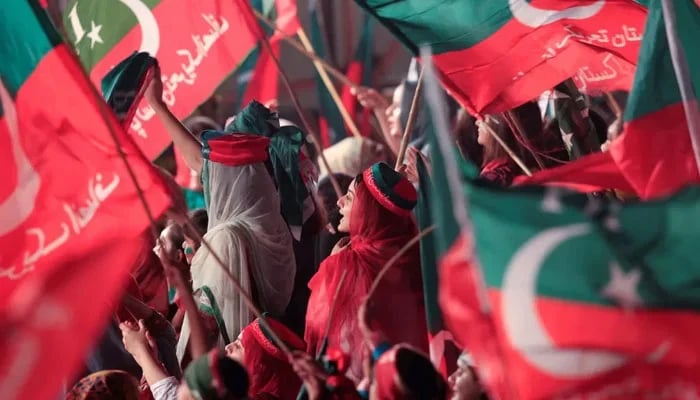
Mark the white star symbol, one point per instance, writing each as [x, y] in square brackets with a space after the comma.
[622, 287]
[551, 203]
[94, 34]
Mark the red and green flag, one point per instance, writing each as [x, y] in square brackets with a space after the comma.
[443, 350]
[587, 296]
[495, 55]
[653, 157]
[66, 187]
[262, 80]
[330, 121]
[198, 43]
[359, 71]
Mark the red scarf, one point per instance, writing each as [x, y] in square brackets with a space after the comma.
[376, 234]
[270, 372]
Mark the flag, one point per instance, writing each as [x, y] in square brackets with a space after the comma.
[495, 55]
[587, 295]
[653, 157]
[63, 263]
[263, 82]
[443, 351]
[331, 126]
[198, 43]
[359, 71]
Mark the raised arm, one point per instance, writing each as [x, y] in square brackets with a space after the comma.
[185, 142]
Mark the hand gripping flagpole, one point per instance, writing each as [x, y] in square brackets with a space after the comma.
[680, 66]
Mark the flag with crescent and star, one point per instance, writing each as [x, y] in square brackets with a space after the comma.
[72, 222]
[653, 157]
[495, 55]
[198, 43]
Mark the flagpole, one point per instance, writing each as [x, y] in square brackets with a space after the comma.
[310, 134]
[680, 66]
[329, 85]
[329, 68]
[412, 115]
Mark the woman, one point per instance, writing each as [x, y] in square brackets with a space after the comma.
[246, 229]
[497, 166]
[271, 374]
[376, 211]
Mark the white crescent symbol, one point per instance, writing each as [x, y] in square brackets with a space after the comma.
[535, 17]
[16, 209]
[150, 33]
[523, 327]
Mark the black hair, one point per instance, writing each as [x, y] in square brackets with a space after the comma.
[418, 375]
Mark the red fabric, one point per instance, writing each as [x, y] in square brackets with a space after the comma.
[235, 150]
[270, 372]
[639, 336]
[71, 223]
[149, 276]
[386, 377]
[185, 89]
[653, 158]
[264, 83]
[376, 234]
[409, 193]
[520, 62]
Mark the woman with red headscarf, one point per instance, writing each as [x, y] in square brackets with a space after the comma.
[271, 374]
[377, 213]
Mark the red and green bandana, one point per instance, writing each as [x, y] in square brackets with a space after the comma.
[264, 338]
[495, 55]
[234, 149]
[214, 376]
[390, 189]
[198, 43]
[72, 223]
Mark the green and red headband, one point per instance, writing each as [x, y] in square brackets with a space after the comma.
[393, 191]
[264, 338]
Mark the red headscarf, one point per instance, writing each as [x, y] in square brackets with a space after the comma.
[270, 371]
[403, 372]
[376, 234]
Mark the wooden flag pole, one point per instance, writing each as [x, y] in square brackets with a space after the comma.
[412, 115]
[311, 136]
[300, 48]
[329, 85]
[508, 150]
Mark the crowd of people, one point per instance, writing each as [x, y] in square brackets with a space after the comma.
[269, 288]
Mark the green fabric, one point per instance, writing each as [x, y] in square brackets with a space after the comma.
[194, 199]
[447, 228]
[284, 150]
[651, 93]
[658, 239]
[25, 20]
[213, 310]
[328, 109]
[199, 378]
[445, 25]
[108, 20]
[428, 255]
[123, 83]
[365, 51]
[570, 108]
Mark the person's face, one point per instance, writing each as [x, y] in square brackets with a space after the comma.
[235, 350]
[463, 384]
[345, 208]
[189, 247]
[393, 113]
[483, 136]
[173, 252]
